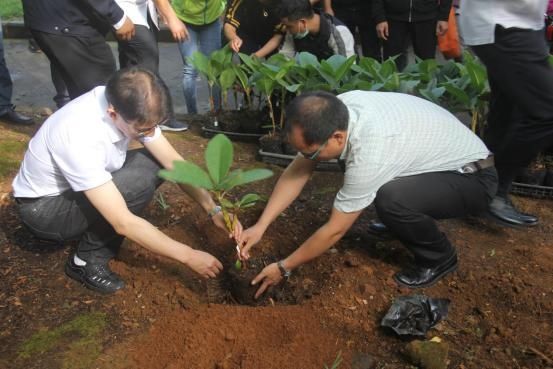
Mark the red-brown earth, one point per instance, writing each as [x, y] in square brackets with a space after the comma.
[500, 316]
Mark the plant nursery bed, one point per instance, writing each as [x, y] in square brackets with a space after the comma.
[283, 160]
[209, 132]
[166, 317]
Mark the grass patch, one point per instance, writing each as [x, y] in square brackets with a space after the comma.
[79, 341]
[11, 154]
[11, 9]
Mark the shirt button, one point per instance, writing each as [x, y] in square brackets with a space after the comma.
[56, 28]
[65, 30]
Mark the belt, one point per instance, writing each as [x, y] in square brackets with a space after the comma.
[25, 200]
[476, 166]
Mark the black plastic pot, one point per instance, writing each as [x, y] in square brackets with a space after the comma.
[283, 160]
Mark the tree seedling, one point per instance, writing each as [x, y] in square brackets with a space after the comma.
[219, 180]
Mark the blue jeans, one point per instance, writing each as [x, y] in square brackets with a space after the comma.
[5, 79]
[205, 38]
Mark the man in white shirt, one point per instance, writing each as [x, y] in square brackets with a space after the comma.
[415, 160]
[142, 49]
[509, 38]
[77, 180]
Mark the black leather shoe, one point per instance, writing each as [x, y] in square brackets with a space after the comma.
[379, 231]
[502, 210]
[97, 277]
[14, 117]
[417, 277]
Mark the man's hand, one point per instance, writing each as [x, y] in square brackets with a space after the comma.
[269, 276]
[126, 32]
[441, 28]
[236, 44]
[204, 264]
[249, 237]
[382, 30]
[178, 30]
[219, 221]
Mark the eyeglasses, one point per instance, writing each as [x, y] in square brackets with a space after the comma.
[314, 155]
[141, 133]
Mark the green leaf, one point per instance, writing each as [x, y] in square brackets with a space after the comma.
[238, 265]
[218, 157]
[248, 199]
[227, 79]
[187, 173]
[239, 177]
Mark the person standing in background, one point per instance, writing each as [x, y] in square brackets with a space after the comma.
[508, 37]
[142, 49]
[357, 14]
[7, 110]
[420, 20]
[72, 35]
[203, 23]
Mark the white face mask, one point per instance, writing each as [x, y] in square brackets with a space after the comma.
[301, 35]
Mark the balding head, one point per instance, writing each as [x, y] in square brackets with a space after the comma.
[139, 96]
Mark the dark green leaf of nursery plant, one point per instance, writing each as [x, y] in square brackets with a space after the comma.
[187, 173]
[227, 78]
[226, 204]
[218, 157]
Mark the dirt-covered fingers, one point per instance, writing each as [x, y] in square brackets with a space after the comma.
[269, 276]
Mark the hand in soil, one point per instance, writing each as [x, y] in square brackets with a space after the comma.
[269, 276]
[249, 237]
[204, 264]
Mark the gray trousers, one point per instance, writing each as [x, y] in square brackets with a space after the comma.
[70, 216]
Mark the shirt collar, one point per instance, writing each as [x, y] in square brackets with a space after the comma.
[351, 120]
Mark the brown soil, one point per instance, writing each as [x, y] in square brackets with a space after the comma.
[500, 316]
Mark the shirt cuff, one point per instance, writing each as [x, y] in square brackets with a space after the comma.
[120, 23]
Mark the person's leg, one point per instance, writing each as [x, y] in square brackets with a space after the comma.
[71, 216]
[396, 43]
[141, 50]
[408, 206]
[6, 85]
[522, 77]
[73, 55]
[187, 48]
[209, 39]
[424, 39]
[370, 44]
[62, 95]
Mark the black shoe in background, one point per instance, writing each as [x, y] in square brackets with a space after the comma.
[502, 210]
[97, 277]
[11, 116]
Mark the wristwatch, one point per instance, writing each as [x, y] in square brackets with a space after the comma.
[216, 210]
[285, 273]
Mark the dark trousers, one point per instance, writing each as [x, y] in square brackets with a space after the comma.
[83, 62]
[361, 19]
[422, 35]
[408, 206]
[71, 216]
[141, 50]
[520, 122]
[6, 86]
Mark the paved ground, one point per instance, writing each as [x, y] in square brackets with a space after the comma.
[33, 87]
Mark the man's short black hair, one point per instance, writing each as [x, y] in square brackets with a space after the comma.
[318, 114]
[139, 96]
[294, 10]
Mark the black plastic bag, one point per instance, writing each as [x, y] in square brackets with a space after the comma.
[415, 314]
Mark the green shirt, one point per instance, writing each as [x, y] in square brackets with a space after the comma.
[199, 12]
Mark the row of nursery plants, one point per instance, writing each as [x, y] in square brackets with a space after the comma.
[254, 82]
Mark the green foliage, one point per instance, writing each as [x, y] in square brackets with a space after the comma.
[79, 341]
[456, 86]
[11, 9]
[218, 179]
